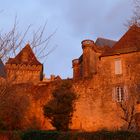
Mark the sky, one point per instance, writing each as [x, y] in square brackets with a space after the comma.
[73, 20]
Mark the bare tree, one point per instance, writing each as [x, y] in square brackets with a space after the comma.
[12, 105]
[13, 41]
[135, 19]
[128, 114]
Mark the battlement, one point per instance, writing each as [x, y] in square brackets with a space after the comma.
[75, 62]
[87, 43]
[23, 67]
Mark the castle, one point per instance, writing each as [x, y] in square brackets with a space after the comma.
[116, 61]
[94, 54]
[105, 76]
[110, 70]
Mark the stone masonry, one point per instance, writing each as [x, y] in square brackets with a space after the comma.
[105, 78]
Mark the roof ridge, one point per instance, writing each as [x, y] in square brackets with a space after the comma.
[105, 39]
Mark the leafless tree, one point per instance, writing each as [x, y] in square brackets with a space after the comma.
[128, 114]
[135, 19]
[128, 105]
[13, 105]
[13, 41]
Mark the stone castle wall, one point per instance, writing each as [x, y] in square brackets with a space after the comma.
[95, 108]
[23, 73]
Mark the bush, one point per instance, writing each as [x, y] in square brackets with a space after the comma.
[101, 135]
[40, 135]
[60, 109]
[2, 125]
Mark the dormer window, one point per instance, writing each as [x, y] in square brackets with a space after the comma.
[118, 66]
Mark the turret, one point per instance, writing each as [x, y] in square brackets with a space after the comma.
[89, 58]
[76, 68]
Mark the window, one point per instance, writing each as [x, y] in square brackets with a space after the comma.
[118, 66]
[119, 94]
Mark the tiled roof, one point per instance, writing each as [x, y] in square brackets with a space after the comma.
[105, 42]
[25, 56]
[130, 39]
[130, 42]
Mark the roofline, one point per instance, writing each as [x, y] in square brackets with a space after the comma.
[118, 53]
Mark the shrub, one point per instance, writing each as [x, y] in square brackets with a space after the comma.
[60, 109]
[101, 135]
[40, 135]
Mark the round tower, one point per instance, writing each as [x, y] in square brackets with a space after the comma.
[76, 68]
[87, 43]
[89, 58]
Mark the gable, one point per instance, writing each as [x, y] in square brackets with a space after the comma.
[130, 42]
[25, 56]
[130, 39]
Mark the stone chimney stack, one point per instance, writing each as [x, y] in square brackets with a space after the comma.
[76, 68]
[89, 58]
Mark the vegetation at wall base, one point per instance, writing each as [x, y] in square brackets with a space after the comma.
[60, 109]
[72, 135]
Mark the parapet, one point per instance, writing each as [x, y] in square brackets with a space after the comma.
[75, 62]
[87, 43]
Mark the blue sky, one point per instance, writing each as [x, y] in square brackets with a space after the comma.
[75, 20]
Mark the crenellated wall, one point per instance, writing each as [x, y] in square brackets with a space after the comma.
[22, 73]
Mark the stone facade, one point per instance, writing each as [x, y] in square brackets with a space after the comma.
[105, 78]
[98, 106]
[93, 54]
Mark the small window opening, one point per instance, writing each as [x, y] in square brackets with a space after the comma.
[118, 66]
